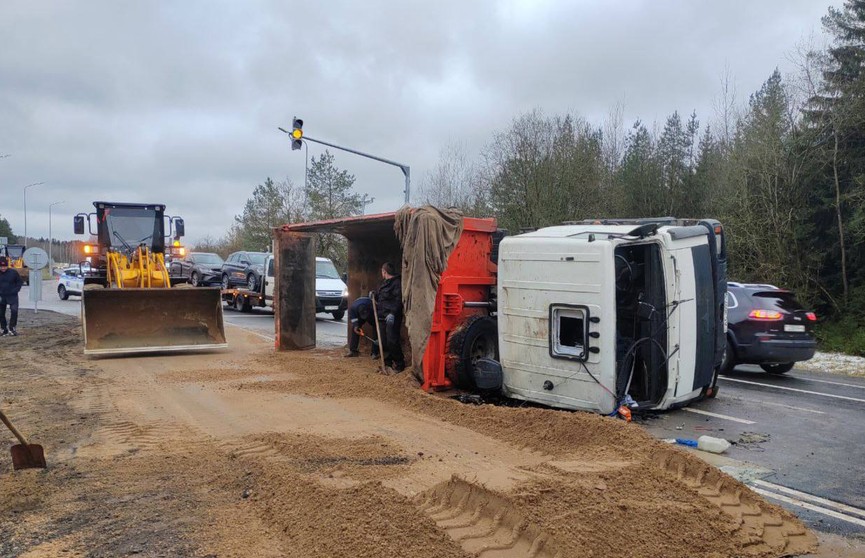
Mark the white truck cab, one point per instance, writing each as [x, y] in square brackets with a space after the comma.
[596, 314]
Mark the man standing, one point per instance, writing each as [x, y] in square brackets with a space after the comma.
[10, 284]
[388, 302]
[359, 314]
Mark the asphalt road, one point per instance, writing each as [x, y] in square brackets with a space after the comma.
[801, 435]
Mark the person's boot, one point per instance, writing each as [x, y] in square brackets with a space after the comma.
[4, 333]
[351, 354]
[12, 331]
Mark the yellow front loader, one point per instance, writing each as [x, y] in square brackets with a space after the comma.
[15, 253]
[129, 304]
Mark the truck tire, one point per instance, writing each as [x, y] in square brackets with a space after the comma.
[476, 338]
[338, 315]
[729, 361]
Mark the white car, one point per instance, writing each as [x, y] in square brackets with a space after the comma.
[71, 282]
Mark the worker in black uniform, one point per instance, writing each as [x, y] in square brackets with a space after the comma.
[359, 313]
[10, 284]
[388, 302]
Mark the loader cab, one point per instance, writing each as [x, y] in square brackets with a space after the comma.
[127, 226]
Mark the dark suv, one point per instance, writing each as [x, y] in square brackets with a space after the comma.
[200, 268]
[244, 269]
[767, 326]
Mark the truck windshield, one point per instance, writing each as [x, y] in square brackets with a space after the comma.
[131, 226]
[326, 270]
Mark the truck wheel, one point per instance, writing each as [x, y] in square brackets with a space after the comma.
[780, 368]
[251, 282]
[61, 291]
[225, 282]
[194, 279]
[338, 315]
[476, 338]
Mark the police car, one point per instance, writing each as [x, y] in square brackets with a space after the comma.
[71, 282]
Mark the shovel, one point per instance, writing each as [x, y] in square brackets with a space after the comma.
[24, 455]
[378, 334]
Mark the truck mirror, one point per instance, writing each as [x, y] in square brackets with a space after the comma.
[78, 224]
[179, 229]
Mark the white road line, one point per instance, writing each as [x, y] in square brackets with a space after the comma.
[716, 415]
[816, 412]
[792, 389]
[270, 338]
[807, 506]
[826, 382]
[843, 508]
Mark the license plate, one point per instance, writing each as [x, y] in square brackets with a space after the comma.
[794, 328]
[335, 307]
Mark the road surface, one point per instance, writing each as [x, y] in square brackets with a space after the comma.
[802, 434]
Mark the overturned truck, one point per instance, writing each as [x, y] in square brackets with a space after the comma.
[587, 315]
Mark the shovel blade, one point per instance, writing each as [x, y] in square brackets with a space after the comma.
[31, 456]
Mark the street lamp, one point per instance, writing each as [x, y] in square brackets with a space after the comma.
[51, 238]
[25, 209]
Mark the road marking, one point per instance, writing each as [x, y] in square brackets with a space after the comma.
[792, 389]
[807, 506]
[716, 415]
[826, 382]
[252, 331]
[816, 412]
[843, 508]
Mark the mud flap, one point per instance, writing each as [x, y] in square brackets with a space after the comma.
[117, 321]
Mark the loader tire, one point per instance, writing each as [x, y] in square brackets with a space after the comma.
[476, 338]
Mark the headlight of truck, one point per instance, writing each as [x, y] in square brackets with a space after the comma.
[345, 292]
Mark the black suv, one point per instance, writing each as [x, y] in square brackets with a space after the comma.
[767, 326]
[244, 269]
[200, 268]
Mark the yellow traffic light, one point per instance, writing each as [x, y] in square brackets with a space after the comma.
[297, 133]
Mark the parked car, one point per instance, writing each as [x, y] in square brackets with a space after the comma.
[767, 326]
[70, 282]
[331, 294]
[243, 269]
[200, 268]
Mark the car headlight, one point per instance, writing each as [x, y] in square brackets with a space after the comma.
[345, 292]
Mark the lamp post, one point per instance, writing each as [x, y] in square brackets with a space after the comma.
[51, 238]
[25, 209]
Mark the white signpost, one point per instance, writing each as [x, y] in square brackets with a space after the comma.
[36, 259]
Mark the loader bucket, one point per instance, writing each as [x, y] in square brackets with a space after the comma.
[118, 321]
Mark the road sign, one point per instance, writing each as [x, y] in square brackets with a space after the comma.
[3, 240]
[35, 258]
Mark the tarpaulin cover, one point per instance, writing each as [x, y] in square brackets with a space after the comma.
[427, 236]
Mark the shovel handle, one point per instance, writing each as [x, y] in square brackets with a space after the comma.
[11, 427]
[378, 333]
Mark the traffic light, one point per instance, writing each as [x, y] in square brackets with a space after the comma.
[296, 134]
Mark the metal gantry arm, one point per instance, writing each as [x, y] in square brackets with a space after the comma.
[406, 169]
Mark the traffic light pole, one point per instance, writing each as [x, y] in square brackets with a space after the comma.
[406, 170]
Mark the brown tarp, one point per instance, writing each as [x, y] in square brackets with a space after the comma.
[427, 235]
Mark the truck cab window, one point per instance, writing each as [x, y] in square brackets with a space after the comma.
[568, 332]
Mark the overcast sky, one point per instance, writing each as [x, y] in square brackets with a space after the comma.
[179, 102]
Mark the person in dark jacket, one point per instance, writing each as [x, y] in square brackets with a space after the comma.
[10, 284]
[388, 302]
[359, 314]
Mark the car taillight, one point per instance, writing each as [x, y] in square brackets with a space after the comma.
[765, 315]
[812, 317]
